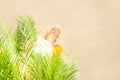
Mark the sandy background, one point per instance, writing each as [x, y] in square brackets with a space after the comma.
[90, 30]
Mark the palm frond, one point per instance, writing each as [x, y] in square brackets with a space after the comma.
[25, 35]
[18, 61]
[8, 69]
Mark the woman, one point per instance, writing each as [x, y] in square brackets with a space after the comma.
[45, 41]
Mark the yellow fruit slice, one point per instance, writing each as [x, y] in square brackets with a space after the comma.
[57, 49]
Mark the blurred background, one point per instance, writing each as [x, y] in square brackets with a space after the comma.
[90, 30]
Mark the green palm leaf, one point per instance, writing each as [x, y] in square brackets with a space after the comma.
[18, 61]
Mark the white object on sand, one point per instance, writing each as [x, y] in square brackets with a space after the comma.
[43, 46]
